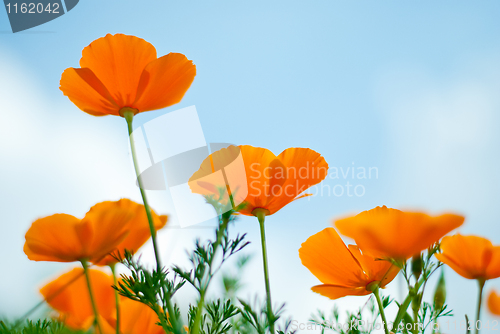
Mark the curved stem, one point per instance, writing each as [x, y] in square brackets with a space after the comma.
[128, 114]
[479, 302]
[117, 299]
[47, 299]
[270, 316]
[381, 309]
[91, 294]
[203, 289]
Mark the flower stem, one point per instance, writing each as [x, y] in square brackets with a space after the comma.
[199, 312]
[91, 294]
[479, 302]
[406, 303]
[128, 114]
[218, 241]
[415, 321]
[261, 215]
[381, 309]
[117, 299]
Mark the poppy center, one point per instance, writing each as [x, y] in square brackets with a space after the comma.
[372, 286]
[127, 111]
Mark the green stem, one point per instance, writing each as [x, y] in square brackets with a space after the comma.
[415, 322]
[381, 309]
[199, 312]
[204, 288]
[406, 303]
[91, 294]
[261, 216]
[117, 298]
[128, 114]
[479, 302]
[47, 299]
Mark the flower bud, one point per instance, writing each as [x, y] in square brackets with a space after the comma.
[440, 293]
[416, 266]
[416, 302]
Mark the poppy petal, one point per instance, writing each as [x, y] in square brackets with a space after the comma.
[68, 294]
[494, 302]
[257, 162]
[110, 224]
[164, 82]
[327, 257]
[209, 179]
[87, 92]
[118, 61]
[337, 291]
[469, 255]
[375, 269]
[54, 238]
[138, 231]
[305, 168]
[493, 268]
[450, 262]
[396, 234]
[137, 318]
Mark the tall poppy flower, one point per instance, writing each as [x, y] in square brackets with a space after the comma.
[121, 71]
[138, 231]
[343, 270]
[269, 182]
[65, 238]
[494, 302]
[391, 233]
[263, 181]
[121, 75]
[470, 256]
[68, 295]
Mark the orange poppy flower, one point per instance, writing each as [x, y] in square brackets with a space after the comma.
[69, 296]
[470, 256]
[391, 233]
[119, 71]
[65, 238]
[135, 318]
[138, 231]
[344, 271]
[494, 302]
[268, 182]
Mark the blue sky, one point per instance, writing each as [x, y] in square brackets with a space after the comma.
[410, 88]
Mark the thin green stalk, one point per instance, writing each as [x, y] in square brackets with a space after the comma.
[415, 321]
[91, 294]
[261, 216]
[128, 114]
[479, 302]
[117, 298]
[203, 290]
[47, 299]
[381, 308]
[406, 303]
[199, 312]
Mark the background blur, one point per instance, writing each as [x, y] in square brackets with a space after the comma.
[411, 88]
